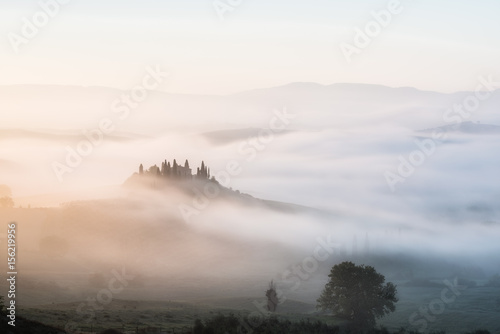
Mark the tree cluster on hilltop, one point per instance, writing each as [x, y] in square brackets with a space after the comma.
[176, 171]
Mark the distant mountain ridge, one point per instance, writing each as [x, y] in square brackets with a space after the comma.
[231, 135]
[295, 86]
[467, 127]
[59, 135]
[67, 107]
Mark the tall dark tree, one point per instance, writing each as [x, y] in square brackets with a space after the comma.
[272, 297]
[141, 169]
[186, 164]
[358, 294]
[168, 170]
[203, 170]
[174, 169]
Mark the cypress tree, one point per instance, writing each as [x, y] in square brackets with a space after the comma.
[168, 170]
[203, 170]
[174, 169]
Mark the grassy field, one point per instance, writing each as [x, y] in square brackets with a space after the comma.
[474, 308]
[166, 315]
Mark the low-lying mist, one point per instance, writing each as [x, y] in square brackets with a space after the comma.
[357, 177]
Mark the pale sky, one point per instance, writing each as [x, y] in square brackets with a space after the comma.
[432, 45]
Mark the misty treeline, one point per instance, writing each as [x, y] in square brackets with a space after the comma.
[176, 171]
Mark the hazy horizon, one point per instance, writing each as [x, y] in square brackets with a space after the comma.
[370, 126]
[198, 42]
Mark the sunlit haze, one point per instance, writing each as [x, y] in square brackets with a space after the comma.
[205, 152]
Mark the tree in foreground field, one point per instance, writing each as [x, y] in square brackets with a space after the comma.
[6, 202]
[272, 297]
[358, 294]
[6, 197]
